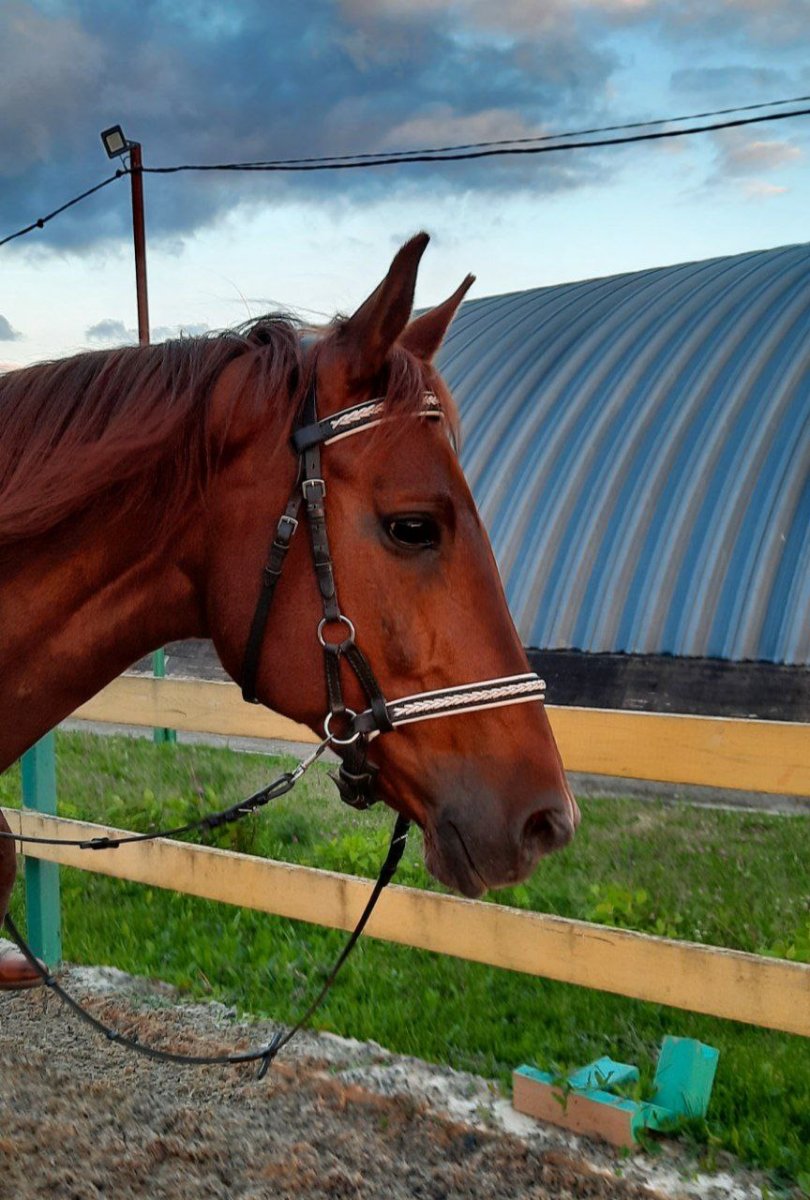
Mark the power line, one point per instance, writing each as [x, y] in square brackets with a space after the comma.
[518, 141]
[42, 221]
[457, 153]
[383, 160]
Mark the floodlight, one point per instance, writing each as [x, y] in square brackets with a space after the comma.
[114, 141]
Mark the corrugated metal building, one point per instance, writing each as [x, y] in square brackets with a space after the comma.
[639, 447]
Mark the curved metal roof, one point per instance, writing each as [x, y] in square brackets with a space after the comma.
[639, 448]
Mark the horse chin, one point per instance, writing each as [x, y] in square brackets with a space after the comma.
[449, 861]
[446, 857]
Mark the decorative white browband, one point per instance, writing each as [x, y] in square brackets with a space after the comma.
[353, 420]
[445, 702]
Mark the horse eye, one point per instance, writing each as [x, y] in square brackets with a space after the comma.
[413, 533]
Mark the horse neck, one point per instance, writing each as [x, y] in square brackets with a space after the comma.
[78, 607]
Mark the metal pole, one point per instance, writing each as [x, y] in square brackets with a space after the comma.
[42, 878]
[139, 237]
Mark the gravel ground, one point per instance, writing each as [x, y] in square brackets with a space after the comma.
[81, 1119]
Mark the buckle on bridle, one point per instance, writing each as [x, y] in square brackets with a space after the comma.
[287, 526]
[319, 487]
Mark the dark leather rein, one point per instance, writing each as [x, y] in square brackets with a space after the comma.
[350, 731]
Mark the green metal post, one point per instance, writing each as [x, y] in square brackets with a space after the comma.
[159, 672]
[42, 878]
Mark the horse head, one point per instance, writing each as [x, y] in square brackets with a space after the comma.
[416, 579]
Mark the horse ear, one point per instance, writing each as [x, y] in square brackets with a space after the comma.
[424, 335]
[368, 336]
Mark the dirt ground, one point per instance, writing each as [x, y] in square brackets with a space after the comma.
[82, 1119]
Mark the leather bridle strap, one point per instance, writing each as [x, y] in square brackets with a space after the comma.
[310, 434]
[446, 702]
[343, 727]
[288, 523]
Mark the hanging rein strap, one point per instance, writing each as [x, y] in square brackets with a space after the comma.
[264, 1055]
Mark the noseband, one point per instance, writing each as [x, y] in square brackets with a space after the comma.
[350, 731]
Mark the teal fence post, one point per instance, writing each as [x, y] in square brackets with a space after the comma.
[42, 878]
[159, 672]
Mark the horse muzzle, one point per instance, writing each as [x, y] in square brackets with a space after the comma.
[472, 855]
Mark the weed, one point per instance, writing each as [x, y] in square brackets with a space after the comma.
[628, 908]
[795, 947]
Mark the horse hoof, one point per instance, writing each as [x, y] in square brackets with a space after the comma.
[16, 972]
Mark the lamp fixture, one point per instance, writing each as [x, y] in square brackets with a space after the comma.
[114, 141]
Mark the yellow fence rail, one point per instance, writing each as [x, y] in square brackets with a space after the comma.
[765, 756]
[720, 752]
[725, 983]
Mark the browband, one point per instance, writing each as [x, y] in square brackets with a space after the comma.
[352, 420]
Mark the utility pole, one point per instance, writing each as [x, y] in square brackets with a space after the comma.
[116, 145]
[139, 238]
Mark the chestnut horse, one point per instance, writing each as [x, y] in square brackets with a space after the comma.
[138, 490]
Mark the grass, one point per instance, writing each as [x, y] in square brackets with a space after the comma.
[733, 879]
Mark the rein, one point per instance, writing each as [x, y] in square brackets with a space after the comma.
[354, 732]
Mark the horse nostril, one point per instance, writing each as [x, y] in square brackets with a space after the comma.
[547, 830]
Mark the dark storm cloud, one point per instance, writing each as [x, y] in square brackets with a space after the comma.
[7, 333]
[224, 80]
[208, 82]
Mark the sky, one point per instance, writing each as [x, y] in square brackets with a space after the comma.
[207, 81]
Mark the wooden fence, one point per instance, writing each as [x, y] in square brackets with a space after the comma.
[753, 755]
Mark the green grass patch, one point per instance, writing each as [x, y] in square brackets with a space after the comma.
[732, 879]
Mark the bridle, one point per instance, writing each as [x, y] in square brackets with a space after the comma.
[356, 774]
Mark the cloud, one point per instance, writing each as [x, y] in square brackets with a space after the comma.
[743, 158]
[743, 22]
[7, 333]
[728, 83]
[6, 366]
[758, 189]
[741, 153]
[225, 82]
[111, 332]
[162, 333]
[753, 24]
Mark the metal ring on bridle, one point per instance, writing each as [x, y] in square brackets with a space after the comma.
[336, 741]
[347, 641]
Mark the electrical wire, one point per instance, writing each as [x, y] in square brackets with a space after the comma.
[42, 221]
[541, 137]
[456, 153]
[385, 160]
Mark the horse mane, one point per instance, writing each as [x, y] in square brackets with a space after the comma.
[137, 421]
